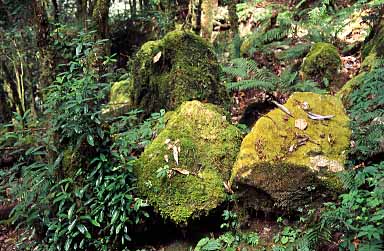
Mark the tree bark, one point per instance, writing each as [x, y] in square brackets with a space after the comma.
[100, 17]
[15, 97]
[100, 21]
[81, 12]
[208, 9]
[233, 18]
[195, 15]
[55, 10]
[46, 55]
[5, 110]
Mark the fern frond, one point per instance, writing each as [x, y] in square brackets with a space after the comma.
[298, 51]
[250, 84]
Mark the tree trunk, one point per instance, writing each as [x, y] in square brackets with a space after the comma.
[81, 12]
[100, 21]
[100, 17]
[46, 55]
[208, 10]
[195, 15]
[13, 90]
[55, 10]
[233, 18]
[5, 110]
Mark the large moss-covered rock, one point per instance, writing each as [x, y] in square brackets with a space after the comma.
[180, 67]
[287, 163]
[323, 61]
[205, 145]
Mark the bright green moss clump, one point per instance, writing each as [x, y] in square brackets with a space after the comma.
[167, 72]
[284, 161]
[206, 146]
[323, 61]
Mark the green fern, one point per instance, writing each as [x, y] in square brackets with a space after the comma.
[250, 76]
[298, 51]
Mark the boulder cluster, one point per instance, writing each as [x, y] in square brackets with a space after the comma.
[289, 158]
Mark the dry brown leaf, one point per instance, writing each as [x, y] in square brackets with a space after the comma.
[181, 171]
[301, 124]
[176, 154]
[157, 57]
[227, 187]
[292, 148]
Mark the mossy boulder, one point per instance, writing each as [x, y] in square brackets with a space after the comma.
[205, 146]
[288, 163]
[323, 61]
[180, 67]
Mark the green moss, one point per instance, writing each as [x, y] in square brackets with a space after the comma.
[208, 147]
[274, 134]
[323, 61]
[284, 182]
[177, 68]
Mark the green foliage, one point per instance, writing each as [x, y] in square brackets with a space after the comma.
[360, 213]
[251, 76]
[232, 239]
[367, 113]
[77, 188]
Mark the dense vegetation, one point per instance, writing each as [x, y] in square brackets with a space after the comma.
[100, 144]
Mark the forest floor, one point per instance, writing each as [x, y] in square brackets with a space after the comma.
[241, 102]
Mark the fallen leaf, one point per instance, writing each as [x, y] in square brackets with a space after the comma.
[157, 57]
[305, 106]
[301, 124]
[167, 141]
[166, 158]
[292, 148]
[181, 171]
[176, 155]
[227, 187]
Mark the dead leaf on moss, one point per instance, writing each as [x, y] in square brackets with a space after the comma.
[227, 187]
[181, 171]
[166, 158]
[157, 57]
[301, 124]
[176, 154]
[318, 116]
[305, 106]
[292, 148]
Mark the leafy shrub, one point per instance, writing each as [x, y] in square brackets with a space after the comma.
[366, 108]
[360, 213]
[76, 189]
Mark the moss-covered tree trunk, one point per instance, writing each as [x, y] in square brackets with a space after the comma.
[55, 10]
[233, 18]
[100, 22]
[81, 12]
[15, 97]
[208, 9]
[100, 17]
[195, 15]
[46, 54]
[5, 111]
